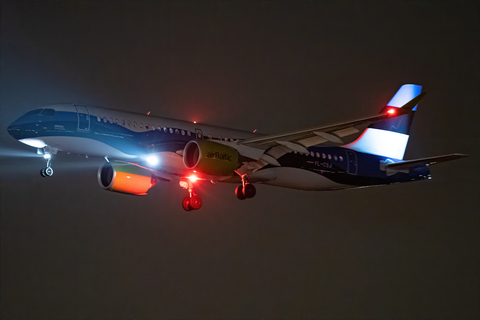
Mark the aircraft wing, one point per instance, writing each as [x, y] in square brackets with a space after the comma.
[299, 140]
[277, 145]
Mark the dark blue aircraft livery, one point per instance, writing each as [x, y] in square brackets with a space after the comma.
[140, 150]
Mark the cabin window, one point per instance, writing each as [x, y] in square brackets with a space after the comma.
[170, 130]
[117, 121]
[183, 132]
[146, 126]
[134, 124]
[129, 123]
[324, 156]
[141, 125]
[341, 158]
[209, 136]
[329, 157]
[99, 119]
[110, 120]
[335, 157]
[123, 122]
[105, 119]
[318, 155]
[176, 131]
[189, 133]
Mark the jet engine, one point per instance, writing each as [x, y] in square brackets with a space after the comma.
[125, 178]
[210, 158]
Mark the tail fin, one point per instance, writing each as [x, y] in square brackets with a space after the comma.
[389, 137]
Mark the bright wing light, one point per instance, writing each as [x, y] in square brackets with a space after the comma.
[152, 160]
[193, 178]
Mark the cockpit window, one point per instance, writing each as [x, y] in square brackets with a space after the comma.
[36, 111]
[48, 112]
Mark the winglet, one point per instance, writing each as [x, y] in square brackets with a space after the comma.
[405, 94]
[407, 107]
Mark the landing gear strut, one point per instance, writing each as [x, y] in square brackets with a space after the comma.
[246, 190]
[192, 202]
[48, 171]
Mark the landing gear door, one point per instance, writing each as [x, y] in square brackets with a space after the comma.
[352, 162]
[83, 118]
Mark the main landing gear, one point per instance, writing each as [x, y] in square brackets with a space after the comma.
[48, 171]
[246, 190]
[192, 202]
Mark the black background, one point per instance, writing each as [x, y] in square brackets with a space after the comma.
[71, 250]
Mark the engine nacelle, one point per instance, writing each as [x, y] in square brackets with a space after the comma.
[126, 178]
[210, 158]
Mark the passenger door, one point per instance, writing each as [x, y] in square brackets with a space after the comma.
[83, 118]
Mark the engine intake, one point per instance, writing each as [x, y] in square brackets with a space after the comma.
[125, 178]
[210, 157]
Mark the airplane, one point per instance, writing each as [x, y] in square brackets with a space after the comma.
[140, 150]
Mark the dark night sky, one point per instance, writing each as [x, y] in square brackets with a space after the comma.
[71, 250]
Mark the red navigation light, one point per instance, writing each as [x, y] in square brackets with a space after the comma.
[392, 111]
[194, 121]
[193, 178]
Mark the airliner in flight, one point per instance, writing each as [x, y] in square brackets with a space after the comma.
[140, 150]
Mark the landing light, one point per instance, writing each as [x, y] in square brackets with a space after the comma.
[47, 156]
[193, 178]
[152, 160]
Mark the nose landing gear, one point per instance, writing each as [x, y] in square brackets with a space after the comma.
[48, 171]
[246, 190]
[192, 202]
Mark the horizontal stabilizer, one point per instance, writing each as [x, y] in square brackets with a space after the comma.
[424, 161]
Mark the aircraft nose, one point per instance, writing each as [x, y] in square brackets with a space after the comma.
[14, 129]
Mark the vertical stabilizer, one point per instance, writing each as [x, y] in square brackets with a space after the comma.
[389, 137]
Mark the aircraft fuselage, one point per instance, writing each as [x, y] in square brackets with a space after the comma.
[128, 136]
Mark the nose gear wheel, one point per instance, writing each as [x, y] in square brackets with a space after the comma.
[46, 172]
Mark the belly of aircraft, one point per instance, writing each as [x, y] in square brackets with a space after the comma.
[301, 179]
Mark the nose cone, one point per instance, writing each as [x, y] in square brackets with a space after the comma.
[14, 129]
